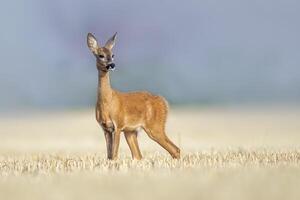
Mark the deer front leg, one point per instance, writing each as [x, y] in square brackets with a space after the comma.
[131, 138]
[108, 129]
[108, 139]
[116, 142]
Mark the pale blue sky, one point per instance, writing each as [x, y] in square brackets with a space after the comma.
[190, 51]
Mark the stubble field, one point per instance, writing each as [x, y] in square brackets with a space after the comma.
[227, 153]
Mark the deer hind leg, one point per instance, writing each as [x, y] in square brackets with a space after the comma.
[159, 136]
[131, 139]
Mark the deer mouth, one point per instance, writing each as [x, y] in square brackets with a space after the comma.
[110, 66]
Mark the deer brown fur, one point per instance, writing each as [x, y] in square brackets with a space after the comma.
[119, 112]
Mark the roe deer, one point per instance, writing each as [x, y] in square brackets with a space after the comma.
[119, 112]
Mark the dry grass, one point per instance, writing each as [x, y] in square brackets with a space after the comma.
[34, 164]
[227, 154]
[226, 174]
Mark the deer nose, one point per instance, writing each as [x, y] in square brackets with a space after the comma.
[111, 66]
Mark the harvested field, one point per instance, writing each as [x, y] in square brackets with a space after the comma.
[226, 154]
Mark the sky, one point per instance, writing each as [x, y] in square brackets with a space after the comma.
[192, 52]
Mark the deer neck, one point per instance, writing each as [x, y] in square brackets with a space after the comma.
[104, 89]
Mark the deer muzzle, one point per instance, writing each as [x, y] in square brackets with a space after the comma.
[110, 66]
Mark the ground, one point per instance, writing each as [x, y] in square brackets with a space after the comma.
[250, 152]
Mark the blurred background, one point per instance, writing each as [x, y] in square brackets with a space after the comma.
[193, 52]
[230, 70]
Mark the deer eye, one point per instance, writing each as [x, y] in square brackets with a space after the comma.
[101, 56]
[112, 55]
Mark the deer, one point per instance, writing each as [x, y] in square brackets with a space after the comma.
[119, 112]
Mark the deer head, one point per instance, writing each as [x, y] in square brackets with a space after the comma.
[104, 55]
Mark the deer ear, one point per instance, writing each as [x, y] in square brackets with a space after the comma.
[111, 42]
[92, 43]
